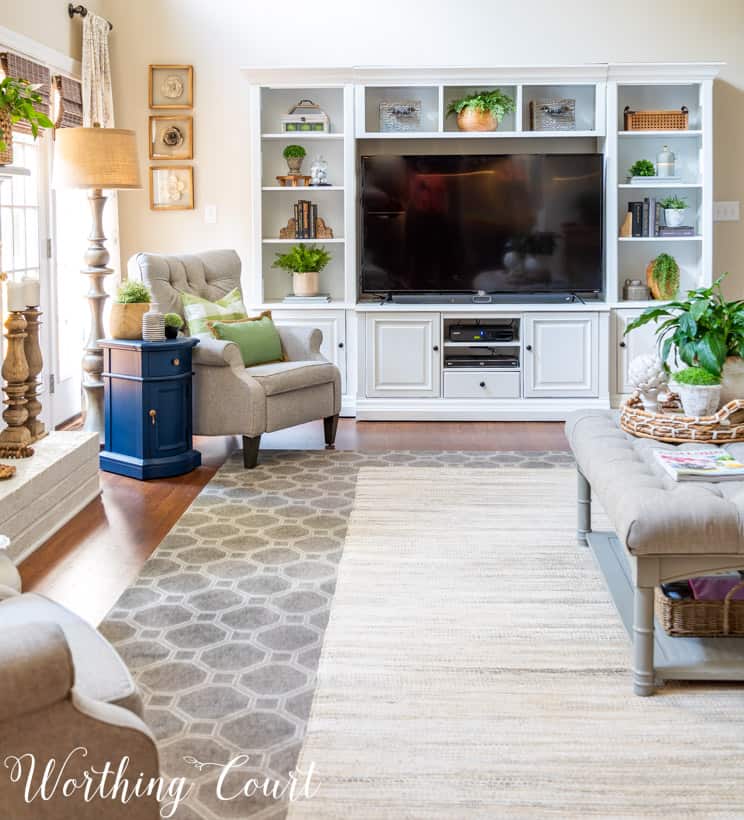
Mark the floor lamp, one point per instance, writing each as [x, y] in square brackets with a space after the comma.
[96, 159]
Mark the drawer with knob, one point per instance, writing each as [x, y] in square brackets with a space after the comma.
[482, 385]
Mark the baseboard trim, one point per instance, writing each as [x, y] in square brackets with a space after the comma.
[452, 410]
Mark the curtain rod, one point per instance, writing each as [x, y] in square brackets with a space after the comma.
[82, 11]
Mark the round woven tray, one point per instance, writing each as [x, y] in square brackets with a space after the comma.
[725, 426]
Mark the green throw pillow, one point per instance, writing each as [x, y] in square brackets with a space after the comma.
[258, 339]
[199, 312]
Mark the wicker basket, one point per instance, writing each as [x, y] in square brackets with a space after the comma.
[656, 120]
[724, 427]
[6, 134]
[701, 619]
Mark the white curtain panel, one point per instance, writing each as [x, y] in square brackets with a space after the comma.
[98, 107]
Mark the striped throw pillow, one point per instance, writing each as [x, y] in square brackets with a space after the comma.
[199, 312]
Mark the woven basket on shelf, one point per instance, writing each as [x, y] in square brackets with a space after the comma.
[723, 427]
[701, 619]
[656, 120]
[6, 135]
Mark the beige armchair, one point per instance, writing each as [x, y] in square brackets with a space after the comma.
[63, 688]
[230, 399]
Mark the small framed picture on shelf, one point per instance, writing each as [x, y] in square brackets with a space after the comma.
[172, 188]
[172, 137]
[171, 86]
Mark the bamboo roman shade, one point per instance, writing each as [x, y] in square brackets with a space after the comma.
[13, 65]
[69, 102]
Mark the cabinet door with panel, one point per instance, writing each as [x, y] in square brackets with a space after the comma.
[636, 343]
[331, 323]
[560, 355]
[402, 355]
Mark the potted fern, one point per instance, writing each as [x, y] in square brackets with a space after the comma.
[304, 262]
[18, 99]
[481, 111]
[662, 277]
[131, 303]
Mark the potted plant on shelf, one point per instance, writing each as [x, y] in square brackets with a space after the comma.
[699, 390]
[703, 331]
[131, 303]
[173, 323]
[674, 210]
[662, 277]
[304, 262]
[18, 99]
[294, 154]
[642, 168]
[481, 111]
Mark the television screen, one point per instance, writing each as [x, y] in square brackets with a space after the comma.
[519, 223]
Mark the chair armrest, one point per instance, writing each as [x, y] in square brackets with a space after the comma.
[301, 344]
[36, 668]
[217, 353]
[7, 592]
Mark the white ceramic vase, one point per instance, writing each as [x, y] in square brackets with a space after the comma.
[674, 217]
[699, 399]
[732, 379]
[153, 324]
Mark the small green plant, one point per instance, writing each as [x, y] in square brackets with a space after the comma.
[665, 272]
[696, 376]
[131, 292]
[494, 102]
[642, 168]
[173, 320]
[293, 151]
[19, 98]
[303, 259]
[673, 203]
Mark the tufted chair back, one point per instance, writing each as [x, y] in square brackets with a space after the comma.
[209, 274]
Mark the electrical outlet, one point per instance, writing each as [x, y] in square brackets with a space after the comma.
[210, 214]
[725, 211]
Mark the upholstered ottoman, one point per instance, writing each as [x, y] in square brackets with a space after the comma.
[663, 531]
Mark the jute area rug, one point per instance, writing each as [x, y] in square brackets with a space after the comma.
[474, 667]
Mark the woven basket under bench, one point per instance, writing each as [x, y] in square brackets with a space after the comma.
[724, 427]
[701, 619]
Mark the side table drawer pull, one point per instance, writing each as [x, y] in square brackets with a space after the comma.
[153, 415]
[176, 362]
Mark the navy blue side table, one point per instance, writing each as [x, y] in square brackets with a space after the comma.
[147, 397]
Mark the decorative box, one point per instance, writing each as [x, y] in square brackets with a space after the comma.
[400, 115]
[306, 116]
[553, 114]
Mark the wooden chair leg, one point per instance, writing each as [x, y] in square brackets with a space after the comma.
[330, 425]
[250, 451]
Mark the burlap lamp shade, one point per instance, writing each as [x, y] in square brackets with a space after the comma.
[96, 158]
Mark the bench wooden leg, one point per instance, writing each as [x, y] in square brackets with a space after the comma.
[330, 425]
[584, 510]
[643, 641]
[250, 451]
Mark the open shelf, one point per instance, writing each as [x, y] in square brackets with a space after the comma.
[659, 238]
[294, 136]
[660, 97]
[666, 134]
[455, 92]
[660, 186]
[585, 105]
[302, 241]
[313, 188]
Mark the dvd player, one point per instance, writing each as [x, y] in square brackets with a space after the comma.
[500, 362]
[483, 333]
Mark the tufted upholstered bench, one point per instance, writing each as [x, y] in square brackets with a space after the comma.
[666, 531]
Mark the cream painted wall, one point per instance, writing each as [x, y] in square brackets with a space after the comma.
[218, 38]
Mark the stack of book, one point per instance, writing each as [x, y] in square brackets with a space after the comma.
[295, 300]
[306, 216]
[647, 220]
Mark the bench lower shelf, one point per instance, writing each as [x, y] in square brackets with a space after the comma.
[674, 658]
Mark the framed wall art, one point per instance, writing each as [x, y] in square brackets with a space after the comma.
[172, 188]
[171, 86]
[171, 137]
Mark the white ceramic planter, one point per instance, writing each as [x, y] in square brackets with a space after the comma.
[306, 284]
[732, 381]
[674, 217]
[699, 399]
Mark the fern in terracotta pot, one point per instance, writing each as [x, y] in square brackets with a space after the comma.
[131, 304]
[482, 111]
[18, 99]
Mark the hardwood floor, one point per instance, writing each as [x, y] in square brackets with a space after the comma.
[93, 558]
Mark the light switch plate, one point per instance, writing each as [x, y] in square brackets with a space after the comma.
[725, 211]
[210, 214]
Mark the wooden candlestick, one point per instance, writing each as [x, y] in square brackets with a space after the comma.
[32, 349]
[15, 438]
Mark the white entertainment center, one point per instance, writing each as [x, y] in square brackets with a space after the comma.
[391, 355]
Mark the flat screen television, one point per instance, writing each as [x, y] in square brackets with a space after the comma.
[501, 224]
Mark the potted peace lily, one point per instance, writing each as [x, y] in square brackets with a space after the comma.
[131, 303]
[304, 262]
[704, 331]
[481, 111]
[18, 99]
[674, 210]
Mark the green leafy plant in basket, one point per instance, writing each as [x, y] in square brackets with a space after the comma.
[131, 303]
[131, 292]
[642, 168]
[18, 101]
[703, 330]
[481, 111]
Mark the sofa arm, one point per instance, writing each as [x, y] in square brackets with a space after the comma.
[217, 353]
[36, 668]
[301, 344]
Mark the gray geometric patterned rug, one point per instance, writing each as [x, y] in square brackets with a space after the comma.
[224, 626]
